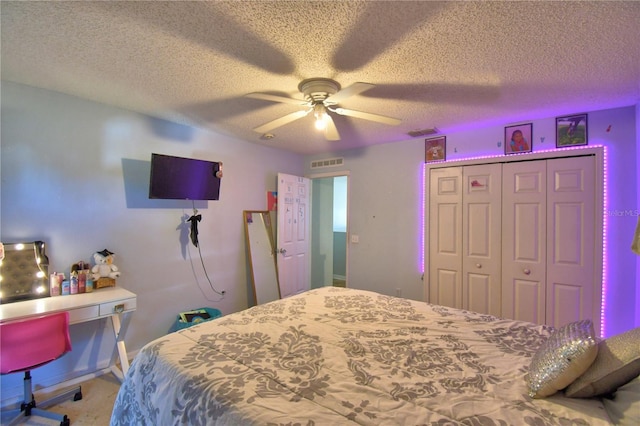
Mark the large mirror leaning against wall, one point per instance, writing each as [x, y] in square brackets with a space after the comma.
[262, 261]
[23, 271]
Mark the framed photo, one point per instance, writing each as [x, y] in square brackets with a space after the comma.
[571, 130]
[518, 138]
[435, 149]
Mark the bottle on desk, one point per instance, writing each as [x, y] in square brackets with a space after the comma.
[82, 281]
[73, 283]
[89, 286]
[55, 284]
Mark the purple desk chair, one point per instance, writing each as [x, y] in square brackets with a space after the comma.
[28, 344]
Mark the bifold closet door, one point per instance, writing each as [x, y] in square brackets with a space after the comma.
[571, 241]
[445, 236]
[481, 239]
[524, 233]
[548, 237]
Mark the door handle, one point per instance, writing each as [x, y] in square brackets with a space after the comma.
[527, 271]
[283, 251]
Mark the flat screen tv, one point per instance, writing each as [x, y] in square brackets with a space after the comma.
[178, 178]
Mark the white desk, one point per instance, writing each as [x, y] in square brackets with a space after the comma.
[106, 302]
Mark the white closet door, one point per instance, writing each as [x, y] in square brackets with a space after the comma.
[445, 236]
[570, 240]
[481, 222]
[523, 240]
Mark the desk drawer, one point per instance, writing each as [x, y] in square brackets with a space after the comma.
[83, 314]
[117, 307]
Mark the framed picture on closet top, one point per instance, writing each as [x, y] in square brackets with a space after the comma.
[517, 139]
[571, 130]
[435, 149]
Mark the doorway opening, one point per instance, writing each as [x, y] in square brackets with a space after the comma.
[329, 230]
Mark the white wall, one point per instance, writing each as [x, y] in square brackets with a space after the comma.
[75, 175]
[385, 212]
[322, 207]
[340, 204]
[386, 202]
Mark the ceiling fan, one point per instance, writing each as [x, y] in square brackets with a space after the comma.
[321, 96]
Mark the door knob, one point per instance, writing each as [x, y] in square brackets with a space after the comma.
[527, 271]
[478, 265]
[283, 251]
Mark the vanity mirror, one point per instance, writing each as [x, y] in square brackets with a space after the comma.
[261, 249]
[24, 272]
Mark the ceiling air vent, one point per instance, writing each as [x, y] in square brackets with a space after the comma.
[327, 162]
[423, 132]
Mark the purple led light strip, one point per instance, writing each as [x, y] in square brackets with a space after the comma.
[605, 226]
[424, 229]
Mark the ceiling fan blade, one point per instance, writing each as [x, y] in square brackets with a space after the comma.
[275, 98]
[352, 90]
[368, 116]
[331, 131]
[281, 121]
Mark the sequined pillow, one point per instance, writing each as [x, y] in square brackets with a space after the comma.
[562, 358]
[617, 363]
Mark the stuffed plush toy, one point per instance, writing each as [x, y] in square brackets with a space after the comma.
[104, 267]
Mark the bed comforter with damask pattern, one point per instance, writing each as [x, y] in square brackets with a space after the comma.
[332, 356]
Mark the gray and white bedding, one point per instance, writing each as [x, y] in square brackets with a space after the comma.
[333, 356]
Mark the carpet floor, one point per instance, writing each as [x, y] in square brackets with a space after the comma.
[94, 409]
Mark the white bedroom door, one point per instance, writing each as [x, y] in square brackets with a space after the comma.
[293, 243]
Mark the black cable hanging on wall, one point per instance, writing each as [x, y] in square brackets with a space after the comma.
[193, 234]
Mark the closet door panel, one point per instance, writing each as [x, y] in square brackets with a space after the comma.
[526, 232]
[524, 240]
[571, 240]
[526, 301]
[445, 236]
[479, 294]
[481, 224]
[446, 288]
[568, 304]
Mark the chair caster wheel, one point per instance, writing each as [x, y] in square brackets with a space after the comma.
[65, 421]
[77, 396]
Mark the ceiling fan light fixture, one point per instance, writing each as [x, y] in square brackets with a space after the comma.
[320, 113]
[321, 95]
[320, 124]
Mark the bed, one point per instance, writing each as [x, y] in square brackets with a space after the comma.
[335, 355]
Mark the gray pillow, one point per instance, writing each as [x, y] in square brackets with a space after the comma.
[617, 363]
[562, 358]
[624, 407]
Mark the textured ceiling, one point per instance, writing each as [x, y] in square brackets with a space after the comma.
[434, 64]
